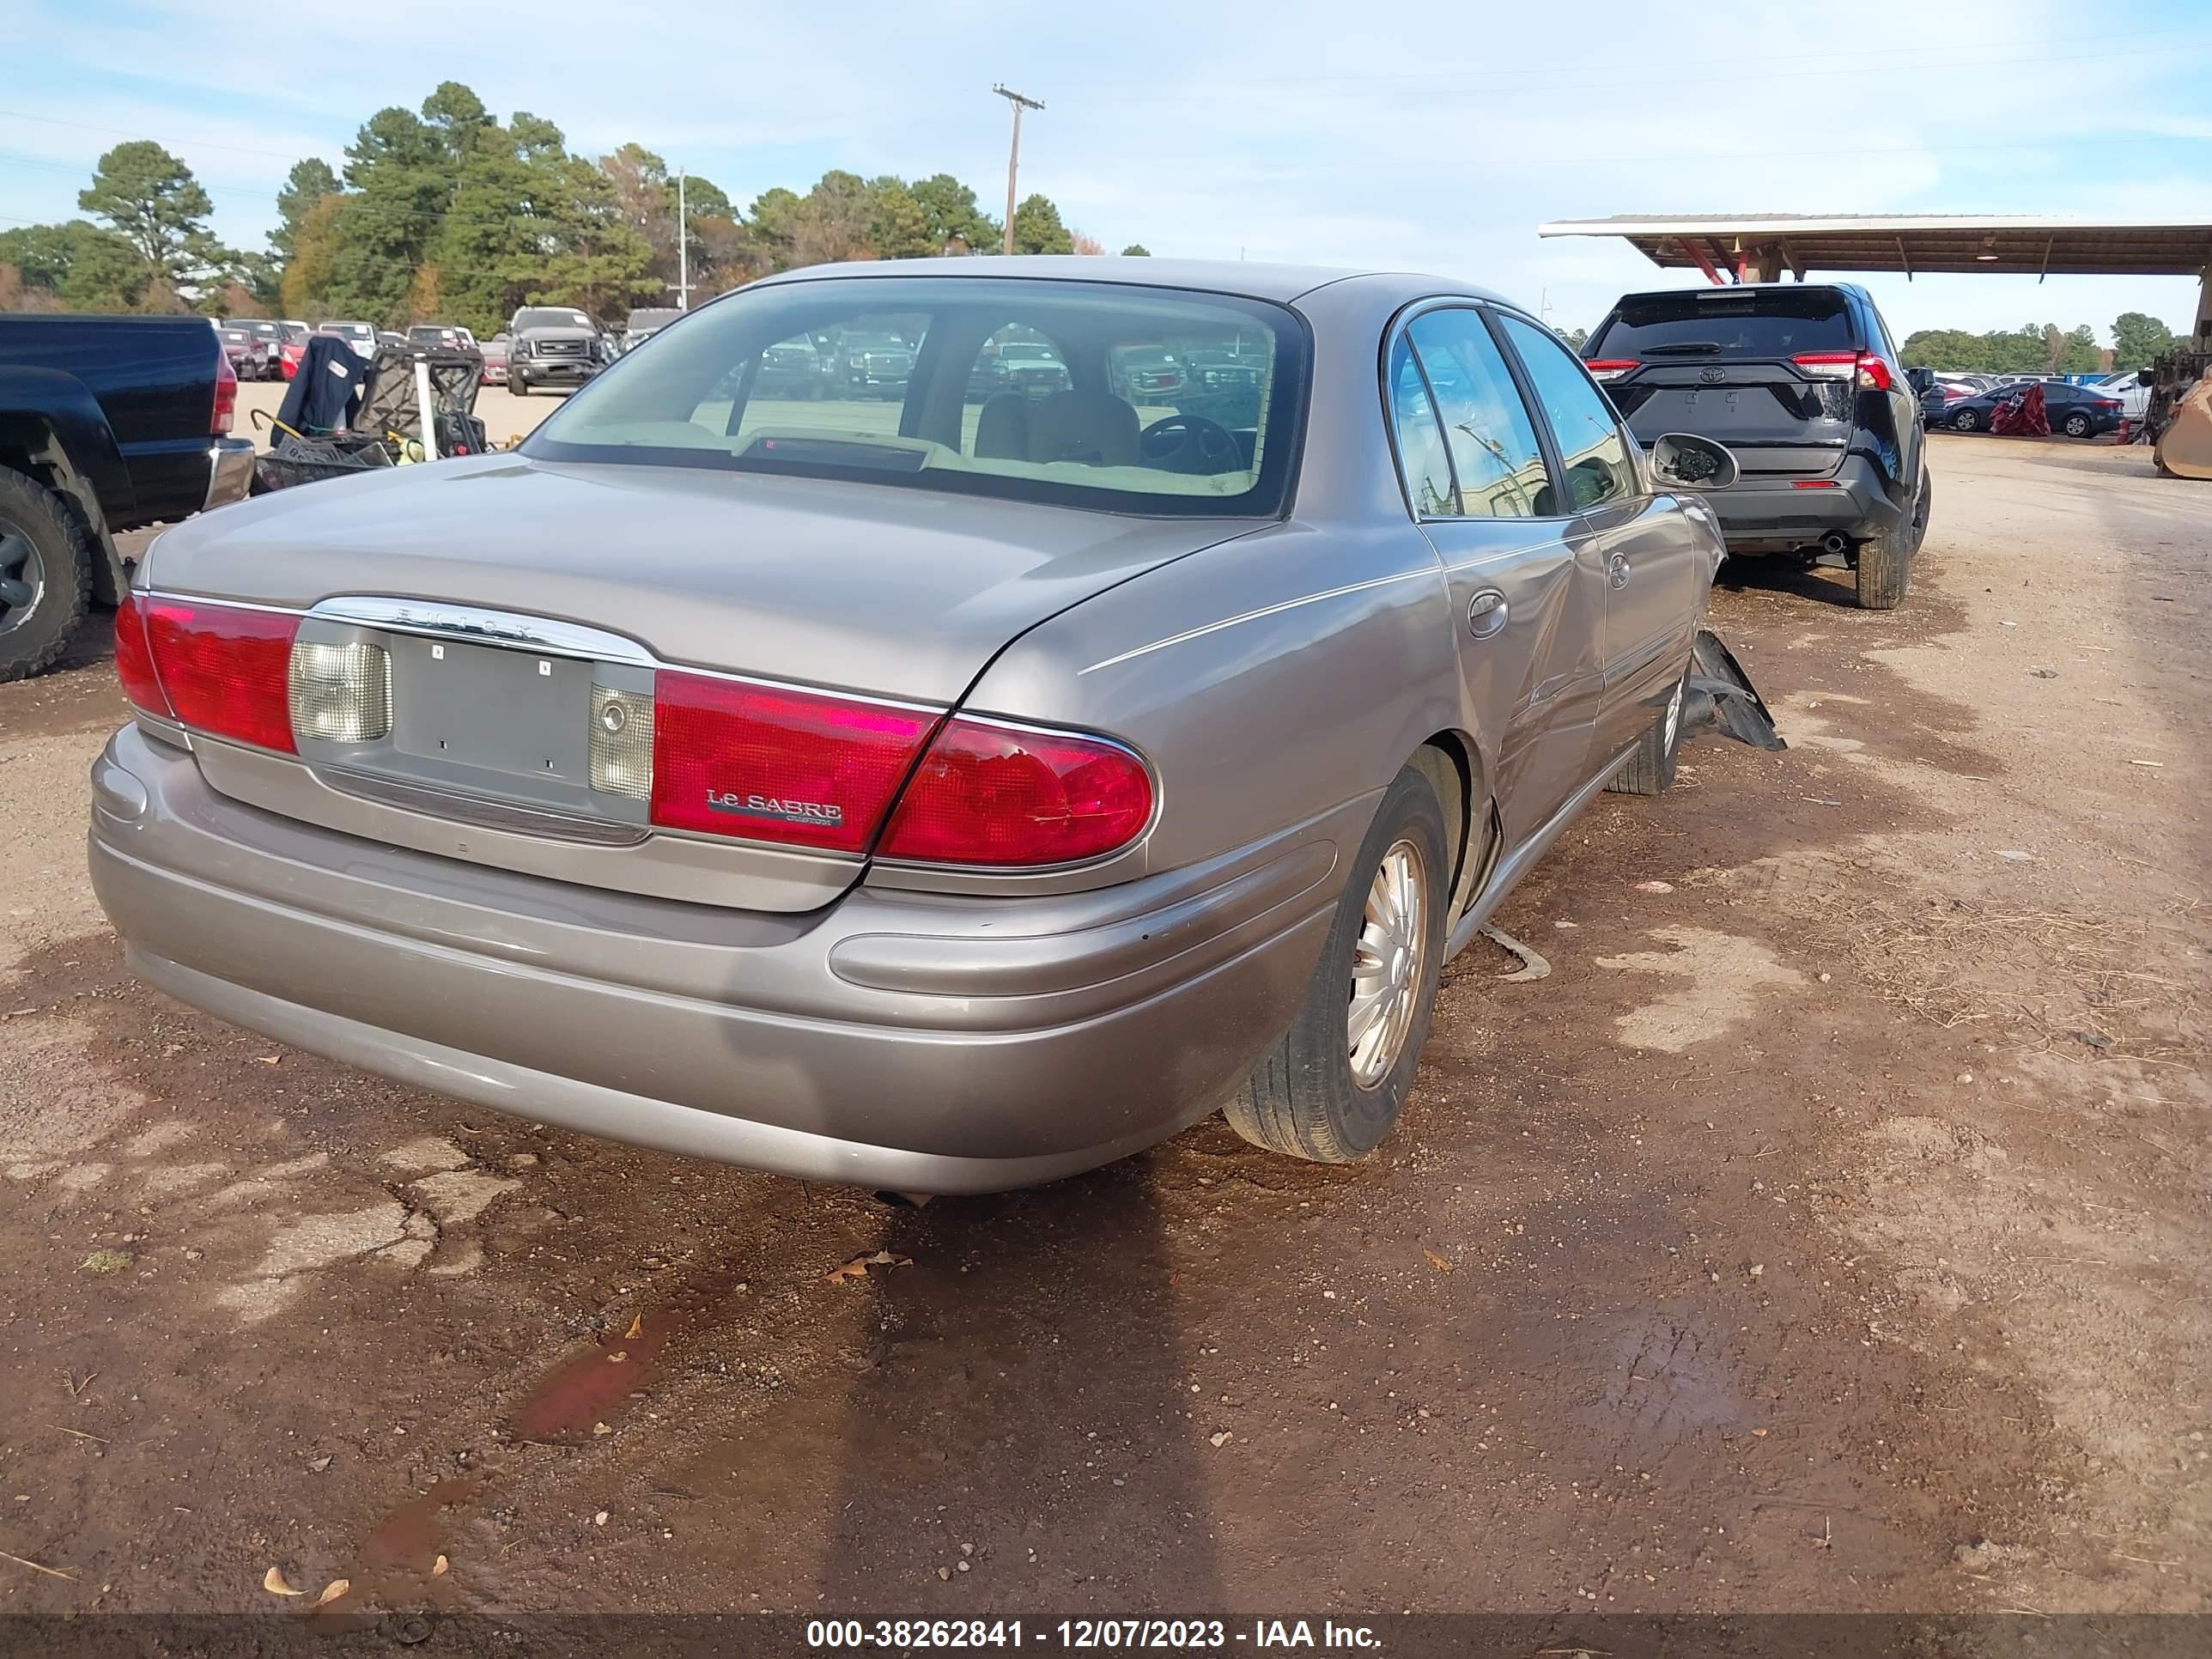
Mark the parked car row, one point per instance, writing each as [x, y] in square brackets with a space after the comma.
[2079, 411]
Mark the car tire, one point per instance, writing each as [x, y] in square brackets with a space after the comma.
[46, 559]
[1317, 1094]
[2077, 425]
[1966, 420]
[1884, 574]
[1651, 769]
[520, 387]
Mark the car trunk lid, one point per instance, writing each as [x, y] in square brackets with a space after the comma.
[511, 600]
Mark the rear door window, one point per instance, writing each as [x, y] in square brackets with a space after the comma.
[1719, 322]
[1498, 463]
[1422, 464]
[1591, 446]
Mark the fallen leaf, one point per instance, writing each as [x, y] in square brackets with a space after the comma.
[274, 1059]
[1758, 1434]
[334, 1590]
[1436, 1261]
[438, 1566]
[319, 1464]
[636, 1328]
[1222, 1438]
[273, 1581]
[617, 1356]
[859, 1265]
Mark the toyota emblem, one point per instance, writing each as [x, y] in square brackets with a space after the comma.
[1709, 376]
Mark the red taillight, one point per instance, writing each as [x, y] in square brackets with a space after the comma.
[223, 669]
[1871, 372]
[134, 659]
[226, 393]
[1609, 369]
[988, 794]
[768, 763]
[1814, 484]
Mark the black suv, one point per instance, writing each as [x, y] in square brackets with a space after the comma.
[1801, 382]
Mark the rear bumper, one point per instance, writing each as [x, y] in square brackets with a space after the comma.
[1761, 516]
[917, 1042]
[230, 470]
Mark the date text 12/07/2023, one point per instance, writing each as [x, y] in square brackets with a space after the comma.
[832, 1634]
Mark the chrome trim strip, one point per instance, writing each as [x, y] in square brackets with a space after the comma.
[484, 627]
[1429, 574]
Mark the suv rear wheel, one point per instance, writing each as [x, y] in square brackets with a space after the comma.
[1885, 562]
[1332, 1088]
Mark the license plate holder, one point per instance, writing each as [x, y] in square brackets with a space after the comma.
[488, 707]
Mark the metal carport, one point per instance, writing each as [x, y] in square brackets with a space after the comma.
[1766, 247]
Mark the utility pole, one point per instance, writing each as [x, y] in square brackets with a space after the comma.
[1014, 154]
[683, 250]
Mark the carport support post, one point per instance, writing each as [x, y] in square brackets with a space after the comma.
[2203, 332]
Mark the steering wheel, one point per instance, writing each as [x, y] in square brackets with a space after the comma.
[1190, 444]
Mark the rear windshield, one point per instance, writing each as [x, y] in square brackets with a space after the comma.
[1085, 437]
[653, 319]
[1716, 322]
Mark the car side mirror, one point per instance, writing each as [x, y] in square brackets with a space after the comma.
[1682, 460]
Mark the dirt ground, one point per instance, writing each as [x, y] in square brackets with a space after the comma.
[1827, 1231]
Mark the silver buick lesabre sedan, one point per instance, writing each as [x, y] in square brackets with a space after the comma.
[944, 791]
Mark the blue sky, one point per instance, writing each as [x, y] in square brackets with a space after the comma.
[1417, 133]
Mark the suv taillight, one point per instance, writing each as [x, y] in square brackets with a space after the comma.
[220, 669]
[226, 393]
[1609, 369]
[1871, 372]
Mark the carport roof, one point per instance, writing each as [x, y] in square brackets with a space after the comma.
[1910, 242]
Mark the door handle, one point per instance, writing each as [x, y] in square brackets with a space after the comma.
[1617, 572]
[1485, 613]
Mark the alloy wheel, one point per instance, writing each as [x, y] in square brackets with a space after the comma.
[1387, 961]
[23, 577]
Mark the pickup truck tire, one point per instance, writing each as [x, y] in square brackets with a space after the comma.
[1305, 1098]
[45, 576]
[1885, 562]
[517, 384]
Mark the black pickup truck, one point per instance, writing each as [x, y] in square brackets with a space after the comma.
[107, 424]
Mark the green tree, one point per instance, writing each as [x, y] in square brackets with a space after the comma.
[402, 171]
[1136, 251]
[458, 116]
[307, 183]
[898, 228]
[834, 220]
[78, 265]
[154, 204]
[774, 223]
[951, 209]
[2078, 351]
[2138, 338]
[1038, 228]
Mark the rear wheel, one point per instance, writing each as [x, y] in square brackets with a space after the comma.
[1885, 562]
[2077, 425]
[1966, 420]
[1651, 769]
[45, 576]
[1331, 1089]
